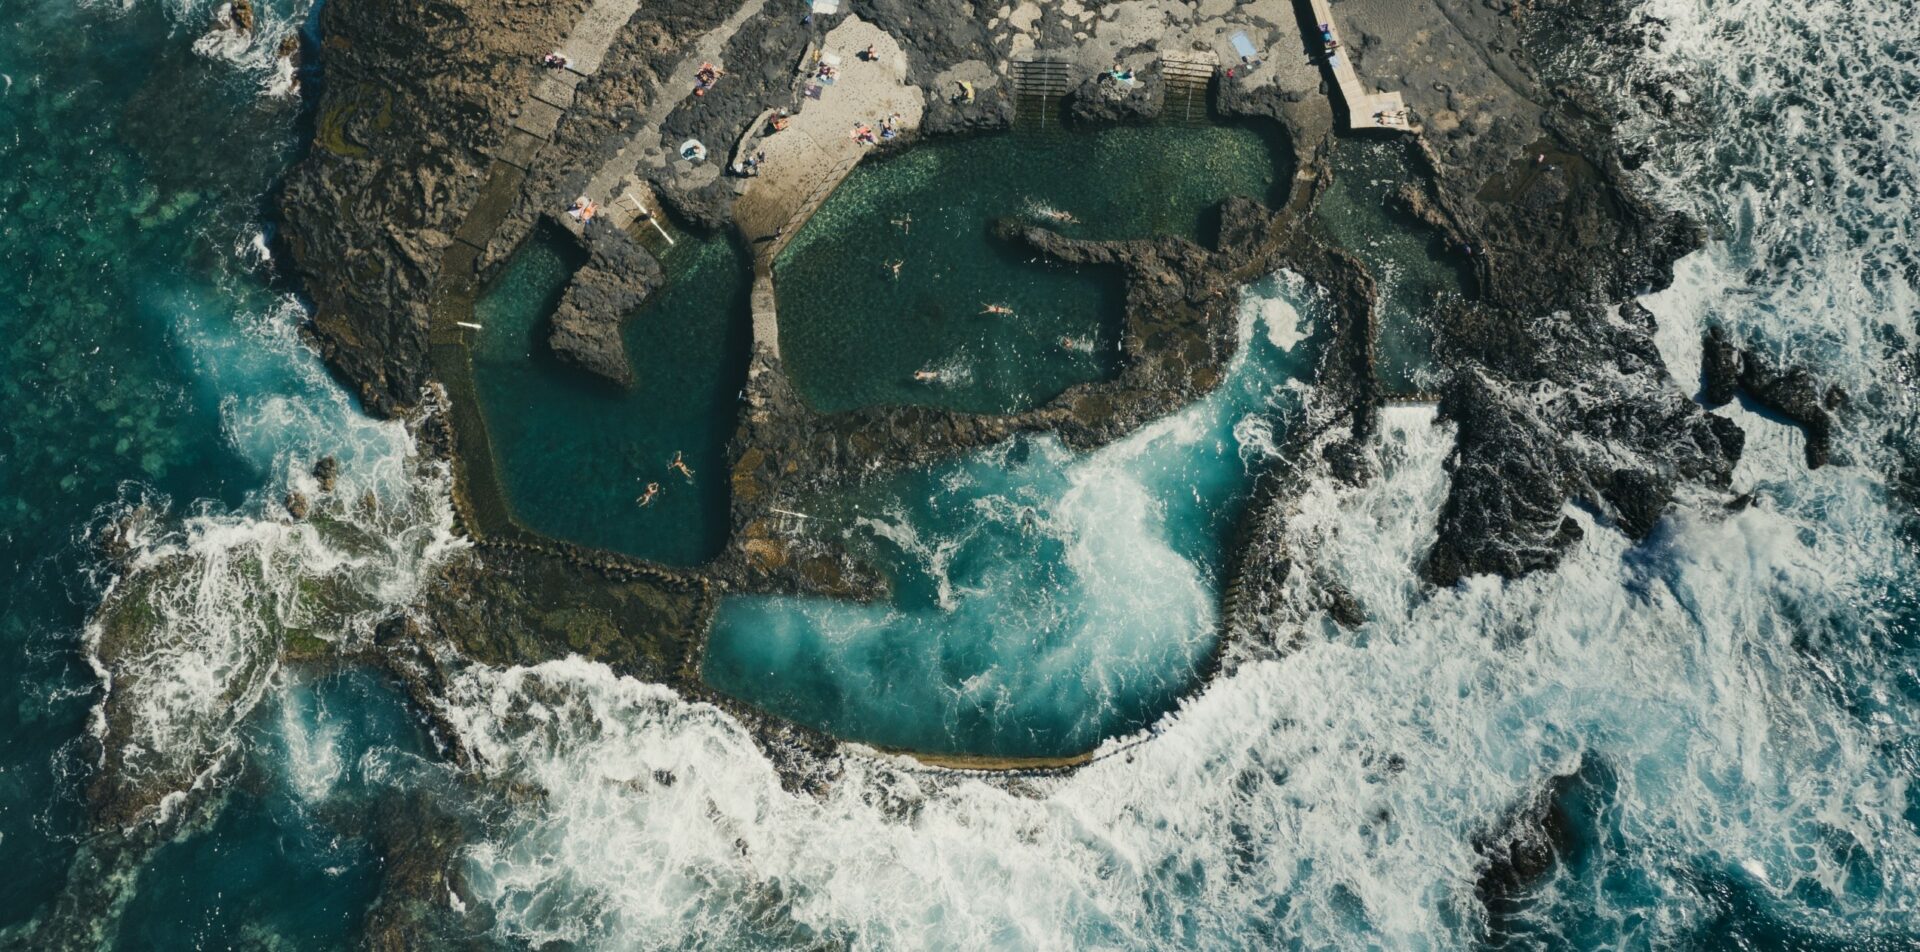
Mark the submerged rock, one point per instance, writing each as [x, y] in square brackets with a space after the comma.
[1550, 830]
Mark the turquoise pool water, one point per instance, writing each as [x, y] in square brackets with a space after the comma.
[1411, 263]
[574, 453]
[853, 334]
[1044, 600]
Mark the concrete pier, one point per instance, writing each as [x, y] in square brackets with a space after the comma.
[1365, 109]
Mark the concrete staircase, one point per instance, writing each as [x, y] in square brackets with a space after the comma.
[1189, 82]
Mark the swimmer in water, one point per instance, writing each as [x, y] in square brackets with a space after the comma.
[1078, 345]
[1061, 216]
[893, 268]
[926, 376]
[996, 309]
[679, 465]
[646, 498]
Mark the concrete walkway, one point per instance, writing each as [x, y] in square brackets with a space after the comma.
[808, 159]
[1365, 110]
[587, 45]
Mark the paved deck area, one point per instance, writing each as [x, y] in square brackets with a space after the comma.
[809, 158]
[1365, 109]
[620, 173]
[816, 150]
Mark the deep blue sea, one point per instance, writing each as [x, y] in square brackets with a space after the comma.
[1737, 699]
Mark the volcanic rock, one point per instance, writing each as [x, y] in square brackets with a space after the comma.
[618, 277]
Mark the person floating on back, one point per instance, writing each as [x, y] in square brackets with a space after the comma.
[646, 498]
[679, 465]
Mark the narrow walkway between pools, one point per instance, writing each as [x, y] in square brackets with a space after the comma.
[1365, 110]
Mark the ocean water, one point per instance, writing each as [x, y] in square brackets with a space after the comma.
[853, 333]
[1735, 699]
[1043, 600]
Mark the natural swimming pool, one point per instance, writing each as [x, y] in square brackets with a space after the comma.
[1043, 599]
[1411, 265]
[573, 453]
[853, 333]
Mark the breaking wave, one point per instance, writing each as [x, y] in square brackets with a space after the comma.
[201, 605]
[1727, 701]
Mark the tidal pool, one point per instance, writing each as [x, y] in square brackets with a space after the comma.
[574, 453]
[1410, 261]
[853, 333]
[1043, 600]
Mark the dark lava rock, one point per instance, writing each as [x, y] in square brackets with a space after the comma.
[242, 14]
[990, 111]
[118, 540]
[327, 472]
[413, 94]
[297, 505]
[618, 277]
[1104, 101]
[397, 631]
[1549, 829]
[1606, 428]
[1719, 368]
[1342, 606]
[1792, 392]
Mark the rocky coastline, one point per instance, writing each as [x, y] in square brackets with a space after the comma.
[1551, 376]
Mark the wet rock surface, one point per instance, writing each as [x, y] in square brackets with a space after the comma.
[414, 94]
[1790, 391]
[1544, 833]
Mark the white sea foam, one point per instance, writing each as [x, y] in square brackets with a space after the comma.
[1730, 672]
[1268, 807]
[255, 53]
[215, 593]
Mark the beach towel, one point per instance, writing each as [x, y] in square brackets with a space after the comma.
[1244, 46]
[825, 7]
